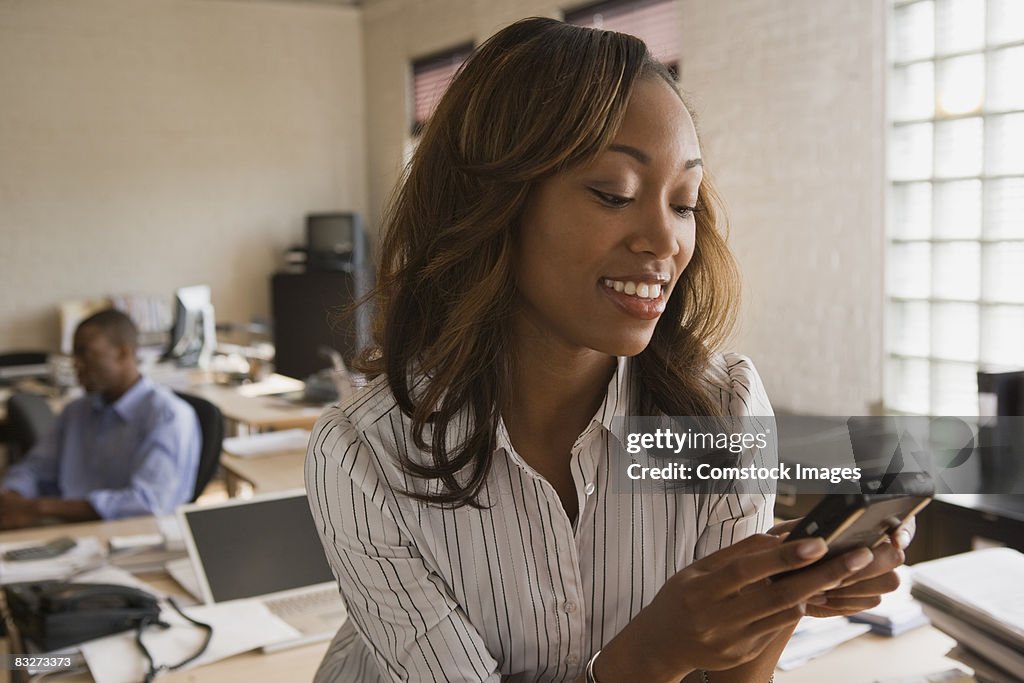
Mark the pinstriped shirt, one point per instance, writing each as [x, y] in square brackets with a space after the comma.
[517, 591]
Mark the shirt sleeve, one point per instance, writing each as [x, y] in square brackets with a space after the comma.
[167, 473]
[736, 515]
[405, 615]
[37, 474]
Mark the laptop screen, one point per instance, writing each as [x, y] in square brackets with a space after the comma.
[258, 547]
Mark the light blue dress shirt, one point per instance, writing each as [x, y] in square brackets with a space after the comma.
[136, 456]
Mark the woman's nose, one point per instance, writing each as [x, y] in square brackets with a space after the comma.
[658, 232]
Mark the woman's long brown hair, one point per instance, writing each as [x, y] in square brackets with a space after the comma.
[538, 97]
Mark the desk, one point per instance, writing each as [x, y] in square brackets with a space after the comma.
[247, 405]
[873, 657]
[862, 660]
[297, 664]
[241, 404]
[265, 473]
[257, 412]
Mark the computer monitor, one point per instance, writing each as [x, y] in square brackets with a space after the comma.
[194, 332]
[335, 241]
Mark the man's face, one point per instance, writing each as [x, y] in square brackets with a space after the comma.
[99, 363]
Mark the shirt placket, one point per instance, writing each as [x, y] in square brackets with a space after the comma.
[584, 475]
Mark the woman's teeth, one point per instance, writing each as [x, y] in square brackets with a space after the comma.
[640, 290]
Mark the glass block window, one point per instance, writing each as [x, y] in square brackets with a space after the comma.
[955, 248]
[430, 78]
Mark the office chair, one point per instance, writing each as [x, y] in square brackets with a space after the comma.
[211, 426]
[29, 417]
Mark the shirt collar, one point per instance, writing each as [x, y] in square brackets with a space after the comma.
[130, 402]
[616, 403]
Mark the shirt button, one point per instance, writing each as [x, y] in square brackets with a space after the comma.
[589, 489]
[572, 660]
[569, 607]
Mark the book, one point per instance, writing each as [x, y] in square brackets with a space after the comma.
[981, 588]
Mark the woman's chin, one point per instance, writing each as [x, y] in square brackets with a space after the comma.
[626, 345]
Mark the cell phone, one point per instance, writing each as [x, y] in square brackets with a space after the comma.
[46, 551]
[848, 521]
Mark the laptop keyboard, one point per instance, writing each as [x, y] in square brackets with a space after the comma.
[304, 603]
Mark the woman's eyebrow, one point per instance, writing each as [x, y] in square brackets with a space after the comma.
[644, 158]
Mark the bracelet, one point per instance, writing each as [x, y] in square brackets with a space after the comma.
[706, 679]
[590, 668]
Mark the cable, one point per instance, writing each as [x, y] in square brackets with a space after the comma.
[152, 669]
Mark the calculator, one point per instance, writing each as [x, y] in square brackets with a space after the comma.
[45, 551]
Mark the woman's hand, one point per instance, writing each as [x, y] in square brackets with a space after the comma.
[864, 589]
[723, 611]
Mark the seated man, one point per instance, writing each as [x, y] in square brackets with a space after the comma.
[127, 448]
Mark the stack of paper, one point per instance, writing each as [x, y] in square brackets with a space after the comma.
[983, 669]
[170, 529]
[86, 554]
[149, 552]
[897, 613]
[184, 573]
[814, 637]
[978, 599]
[268, 443]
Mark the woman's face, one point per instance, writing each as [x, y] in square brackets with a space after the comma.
[602, 246]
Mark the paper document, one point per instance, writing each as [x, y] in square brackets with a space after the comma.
[238, 626]
[1003, 655]
[983, 585]
[170, 529]
[86, 554]
[897, 613]
[814, 637]
[983, 669]
[267, 444]
[117, 577]
[184, 573]
[275, 384]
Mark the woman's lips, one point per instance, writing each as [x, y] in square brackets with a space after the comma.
[635, 306]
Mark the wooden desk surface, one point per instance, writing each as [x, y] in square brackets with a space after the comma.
[259, 412]
[872, 657]
[297, 664]
[863, 660]
[266, 473]
[246, 404]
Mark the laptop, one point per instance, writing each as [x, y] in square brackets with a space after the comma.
[265, 548]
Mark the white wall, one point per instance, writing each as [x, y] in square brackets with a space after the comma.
[200, 131]
[791, 102]
[150, 144]
[789, 96]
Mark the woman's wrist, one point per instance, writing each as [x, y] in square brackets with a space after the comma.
[627, 658]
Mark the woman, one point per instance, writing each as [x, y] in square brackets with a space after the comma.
[552, 261]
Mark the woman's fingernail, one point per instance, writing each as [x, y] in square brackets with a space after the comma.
[902, 538]
[817, 600]
[811, 548]
[859, 559]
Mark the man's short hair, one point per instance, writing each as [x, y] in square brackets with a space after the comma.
[116, 326]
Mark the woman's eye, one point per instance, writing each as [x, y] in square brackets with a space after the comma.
[612, 200]
[687, 211]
